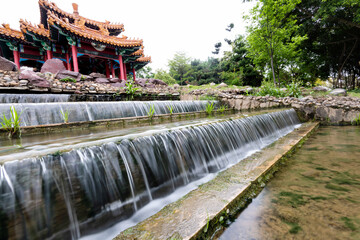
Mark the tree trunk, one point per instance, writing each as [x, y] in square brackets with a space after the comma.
[272, 66]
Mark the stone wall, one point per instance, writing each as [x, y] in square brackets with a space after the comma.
[15, 82]
[330, 110]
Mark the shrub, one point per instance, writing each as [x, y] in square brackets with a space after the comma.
[164, 76]
[130, 89]
[269, 88]
[68, 79]
[210, 108]
[12, 124]
[293, 89]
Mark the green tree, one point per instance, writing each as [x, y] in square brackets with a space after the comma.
[273, 36]
[164, 76]
[237, 66]
[179, 67]
[145, 72]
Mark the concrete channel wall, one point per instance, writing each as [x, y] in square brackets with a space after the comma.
[201, 213]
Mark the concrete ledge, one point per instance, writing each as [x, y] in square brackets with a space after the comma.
[119, 122]
[201, 213]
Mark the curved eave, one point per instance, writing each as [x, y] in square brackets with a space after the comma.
[11, 35]
[45, 6]
[91, 35]
[34, 32]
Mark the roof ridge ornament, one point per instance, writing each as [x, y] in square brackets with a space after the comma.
[76, 9]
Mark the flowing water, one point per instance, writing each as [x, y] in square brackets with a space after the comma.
[79, 192]
[33, 98]
[316, 196]
[33, 114]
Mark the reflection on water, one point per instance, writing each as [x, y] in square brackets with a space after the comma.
[316, 196]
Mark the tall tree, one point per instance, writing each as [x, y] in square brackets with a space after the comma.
[179, 66]
[273, 36]
[238, 63]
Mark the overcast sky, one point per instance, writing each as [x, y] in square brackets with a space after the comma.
[166, 26]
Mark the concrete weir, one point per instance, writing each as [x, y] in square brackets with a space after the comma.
[201, 213]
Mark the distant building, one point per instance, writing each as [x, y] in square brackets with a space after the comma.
[82, 44]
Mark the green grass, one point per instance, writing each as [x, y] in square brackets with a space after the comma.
[207, 98]
[354, 93]
[65, 115]
[349, 223]
[336, 188]
[210, 108]
[292, 199]
[151, 111]
[12, 124]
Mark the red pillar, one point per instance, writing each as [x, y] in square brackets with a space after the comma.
[68, 61]
[107, 69]
[112, 70]
[134, 75]
[75, 60]
[121, 74]
[17, 58]
[125, 73]
[48, 54]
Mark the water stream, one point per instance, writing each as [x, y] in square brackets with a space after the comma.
[33, 114]
[86, 190]
[316, 196]
[33, 98]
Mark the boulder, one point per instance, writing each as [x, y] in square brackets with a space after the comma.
[222, 85]
[321, 89]
[97, 75]
[34, 79]
[176, 86]
[68, 74]
[53, 66]
[102, 80]
[87, 78]
[338, 92]
[115, 80]
[157, 82]
[118, 84]
[7, 65]
[141, 82]
[212, 84]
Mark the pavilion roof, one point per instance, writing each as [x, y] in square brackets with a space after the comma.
[79, 29]
[7, 32]
[40, 30]
[144, 59]
[113, 28]
[139, 52]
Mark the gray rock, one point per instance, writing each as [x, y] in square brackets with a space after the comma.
[34, 79]
[102, 80]
[321, 89]
[8, 79]
[176, 86]
[222, 85]
[68, 74]
[53, 66]
[338, 92]
[23, 82]
[212, 84]
[7, 65]
[97, 75]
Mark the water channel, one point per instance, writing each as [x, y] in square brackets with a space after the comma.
[316, 196]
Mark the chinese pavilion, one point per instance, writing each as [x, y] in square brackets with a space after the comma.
[81, 43]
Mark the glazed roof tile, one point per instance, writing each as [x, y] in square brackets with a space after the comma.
[102, 35]
[52, 7]
[39, 29]
[5, 30]
[144, 59]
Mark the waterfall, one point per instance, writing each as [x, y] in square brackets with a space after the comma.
[50, 113]
[67, 195]
[33, 98]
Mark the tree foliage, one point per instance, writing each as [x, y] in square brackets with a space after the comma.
[179, 67]
[273, 37]
[164, 76]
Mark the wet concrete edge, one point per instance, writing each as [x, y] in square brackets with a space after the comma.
[202, 225]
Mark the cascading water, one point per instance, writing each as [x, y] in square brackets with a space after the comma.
[75, 193]
[33, 98]
[51, 113]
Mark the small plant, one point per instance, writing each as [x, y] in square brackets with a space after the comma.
[222, 108]
[12, 124]
[171, 109]
[151, 112]
[68, 79]
[356, 121]
[207, 98]
[65, 115]
[293, 89]
[130, 89]
[210, 108]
